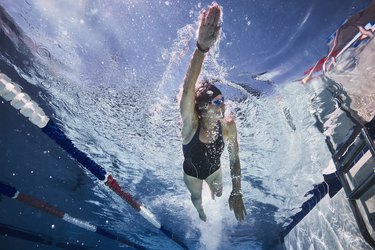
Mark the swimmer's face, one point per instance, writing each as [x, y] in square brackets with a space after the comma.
[214, 109]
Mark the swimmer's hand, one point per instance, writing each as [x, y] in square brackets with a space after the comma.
[236, 204]
[209, 27]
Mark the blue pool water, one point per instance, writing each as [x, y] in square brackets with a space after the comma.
[109, 72]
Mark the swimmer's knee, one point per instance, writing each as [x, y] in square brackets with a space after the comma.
[197, 202]
[195, 198]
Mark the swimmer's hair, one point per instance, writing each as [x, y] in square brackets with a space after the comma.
[205, 92]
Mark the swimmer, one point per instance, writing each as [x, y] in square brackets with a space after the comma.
[205, 129]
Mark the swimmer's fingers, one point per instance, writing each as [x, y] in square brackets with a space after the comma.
[209, 27]
[209, 17]
[217, 15]
[231, 202]
[213, 15]
[203, 18]
[241, 212]
[236, 204]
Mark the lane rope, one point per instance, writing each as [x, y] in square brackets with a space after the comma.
[13, 193]
[12, 92]
[20, 233]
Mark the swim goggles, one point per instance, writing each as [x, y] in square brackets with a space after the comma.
[217, 102]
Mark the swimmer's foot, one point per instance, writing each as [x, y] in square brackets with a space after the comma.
[202, 215]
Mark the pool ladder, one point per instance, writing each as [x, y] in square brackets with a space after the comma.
[355, 163]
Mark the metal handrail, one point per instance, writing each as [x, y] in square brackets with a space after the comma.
[345, 158]
[362, 188]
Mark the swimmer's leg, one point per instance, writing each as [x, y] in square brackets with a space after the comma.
[215, 182]
[195, 187]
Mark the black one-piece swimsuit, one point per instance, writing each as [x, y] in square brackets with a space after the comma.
[202, 159]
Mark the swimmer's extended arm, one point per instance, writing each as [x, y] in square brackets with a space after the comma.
[235, 198]
[207, 35]
[187, 103]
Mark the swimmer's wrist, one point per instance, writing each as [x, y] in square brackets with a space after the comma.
[236, 193]
[236, 177]
[204, 51]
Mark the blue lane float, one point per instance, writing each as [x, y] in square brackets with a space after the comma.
[55, 133]
[10, 91]
[331, 185]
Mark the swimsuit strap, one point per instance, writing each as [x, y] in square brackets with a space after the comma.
[220, 130]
